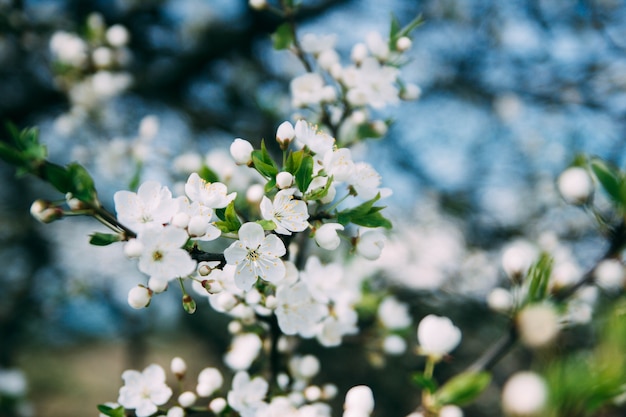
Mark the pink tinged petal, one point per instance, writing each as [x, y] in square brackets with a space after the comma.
[251, 235]
[272, 246]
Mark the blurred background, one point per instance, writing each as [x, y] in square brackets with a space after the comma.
[511, 93]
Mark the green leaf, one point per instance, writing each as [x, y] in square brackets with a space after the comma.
[263, 162]
[133, 184]
[366, 215]
[538, 278]
[57, 176]
[283, 37]
[269, 186]
[294, 160]
[395, 32]
[230, 222]
[610, 178]
[321, 192]
[424, 382]
[304, 173]
[103, 239]
[111, 412]
[208, 174]
[83, 187]
[463, 388]
[11, 155]
[267, 224]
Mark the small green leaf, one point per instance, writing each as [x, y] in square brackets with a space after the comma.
[538, 278]
[267, 224]
[269, 186]
[10, 155]
[610, 178]
[231, 222]
[294, 160]
[57, 176]
[283, 37]
[424, 382]
[208, 174]
[366, 215]
[396, 32]
[111, 412]
[304, 173]
[103, 239]
[321, 192]
[463, 388]
[133, 184]
[263, 162]
[83, 187]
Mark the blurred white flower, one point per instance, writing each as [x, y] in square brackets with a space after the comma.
[524, 394]
[609, 274]
[246, 395]
[309, 136]
[326, 236]
[307, 90]
[359, 399]
[393, 314]
[144, 391]
[244, 349]
[437, 336]
[370, 244]
[575, 185]
[538, 325]
[209, 381]
[297, 312]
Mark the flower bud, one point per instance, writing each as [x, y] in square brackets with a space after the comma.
[538, 325]
[45, 212]
[575, 185]
[255, 194]
[450, 411]
[284, 180]
[180, 220]
[117, 35]
[204, 269]
[133, 248]
[394, 345]
[500, 300]
[358, 53]
[241, 151]
[285, 134]
[178, 367]
[139, 297]
[308, 366]
[437, 336]
[257, 4]
[410, 92]
[209, 381]
[524, 394]
[197, 226]
[187, 399]
[312, 393]
[175, 411]
[217, 405]
[403, 43]
[189, 304]
[609, 274]
[359, 398]
[517, 258]
[326, 236]
[157, 285]
[370, 244]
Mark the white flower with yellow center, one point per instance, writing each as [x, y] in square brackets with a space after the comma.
[151, 205]
[256, 256]
[212, 195]
[144, 391]
[162, 257]
[289, 214]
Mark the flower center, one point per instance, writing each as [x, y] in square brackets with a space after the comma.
[253, 255]
[157, 256]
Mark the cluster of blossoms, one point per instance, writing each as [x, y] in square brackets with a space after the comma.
[90, 67]
[255, 275]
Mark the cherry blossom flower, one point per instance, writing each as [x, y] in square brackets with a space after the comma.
[393, 314]
[308, 135]
[246, 395]
[289, 214]
[437, 336]
[371, 84]
[366, 182]
[370, 244]
[163, 258]
[338, 164]
[151, 205]
[297, 311]
[144, 391]
[212, 195]
[306, 89]
[326, 236]
[256, 255]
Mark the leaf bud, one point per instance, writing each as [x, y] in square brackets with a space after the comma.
[189, 304]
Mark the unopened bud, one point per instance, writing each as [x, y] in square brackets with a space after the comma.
[258, 4]
[359, 52]
[575, 185]
[45, 212]
[178, 367]
[217, 405]
[538, 325]
[284, 180]
[241, 151]
[180, 220]
[204, 270]
[187, 399]
[189, 304]
[133, 248]
[74, 203]
[403, 44]
[139, 297]
[285, 134]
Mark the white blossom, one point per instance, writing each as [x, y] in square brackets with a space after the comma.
[151, 205]
[306, 90]
[144, 391]
[163, 257]
[317, 141]
[244, 349]
[284, 180]
[241, 151]
[139, 297]
[609, 274]
[288, 213]
[437, 336]
[359, 398]
[187, 399]
[209, 380]
[394, 314]
[338, 164]
[178, 366]
[297, 312]
[575, 185]
[370, 244]
[246, 395]
[326, 236]
[212, 195]
[371, 84]
[256, 255]
[524, 394]
[538, 325]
